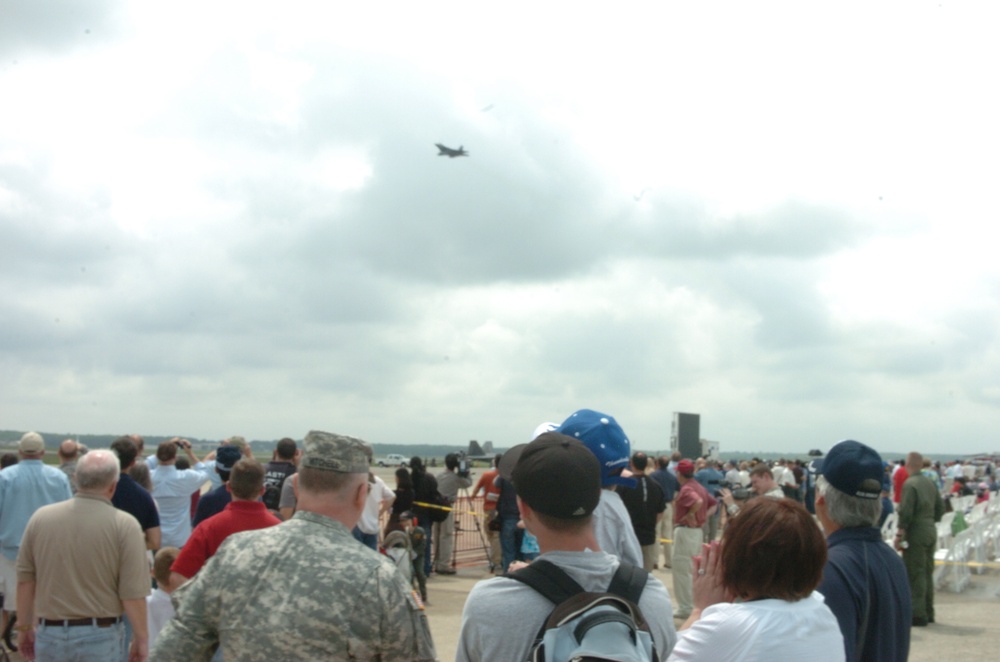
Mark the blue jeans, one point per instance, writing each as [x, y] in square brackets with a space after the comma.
[366, 539]
[81, 643]
[126, 639]
[509, 543]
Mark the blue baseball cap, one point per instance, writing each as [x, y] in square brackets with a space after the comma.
[605, 439]
[854, 469]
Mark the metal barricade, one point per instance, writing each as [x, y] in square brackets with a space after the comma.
[471, 541]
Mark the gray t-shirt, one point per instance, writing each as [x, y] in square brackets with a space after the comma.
[450, 482]
[613, 529]
[502, 616]
[287, 499]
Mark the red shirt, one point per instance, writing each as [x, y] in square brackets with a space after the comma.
[898, 479]
[690, 492]
[207, 536]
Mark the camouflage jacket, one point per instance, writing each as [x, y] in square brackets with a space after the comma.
[302, 590]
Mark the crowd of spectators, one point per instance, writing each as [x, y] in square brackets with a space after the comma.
[788, 553]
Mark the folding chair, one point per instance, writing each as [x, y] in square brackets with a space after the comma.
[953, 571]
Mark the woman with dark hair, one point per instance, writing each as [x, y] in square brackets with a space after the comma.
[754, 594]
[424, 490]
[403, 502]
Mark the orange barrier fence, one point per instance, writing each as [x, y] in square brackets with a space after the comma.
[471, 541]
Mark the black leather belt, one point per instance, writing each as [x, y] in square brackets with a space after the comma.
[103, 622]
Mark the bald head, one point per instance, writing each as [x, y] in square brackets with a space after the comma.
[68, 450]
[97, 472]
[914, 463]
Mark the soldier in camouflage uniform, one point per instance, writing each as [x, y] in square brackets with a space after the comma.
[306, 589]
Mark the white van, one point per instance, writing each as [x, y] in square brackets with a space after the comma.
[392, 460]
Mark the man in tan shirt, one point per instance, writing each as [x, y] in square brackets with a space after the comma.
[81, 564]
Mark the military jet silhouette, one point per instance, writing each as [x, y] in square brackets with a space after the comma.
[449, 152]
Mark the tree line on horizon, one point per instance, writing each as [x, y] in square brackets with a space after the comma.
[9, 438]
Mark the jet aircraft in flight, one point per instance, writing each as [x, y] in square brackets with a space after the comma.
[449, 152]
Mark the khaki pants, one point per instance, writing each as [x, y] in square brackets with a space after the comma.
[444, 542]
[649, 554]
[665, 531]
[493, 538]
[687, 543]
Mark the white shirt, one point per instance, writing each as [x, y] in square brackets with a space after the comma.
[213, 476]
[172, 489]
[764, 630]
[378, 492]
[159, 611]
[783, 475]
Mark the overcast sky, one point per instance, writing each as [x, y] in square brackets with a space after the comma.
[230, 218]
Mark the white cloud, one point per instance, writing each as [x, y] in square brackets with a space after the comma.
[232, 218]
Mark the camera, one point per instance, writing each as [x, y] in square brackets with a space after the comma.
[740, 493]
[463, 468]
[737, 491]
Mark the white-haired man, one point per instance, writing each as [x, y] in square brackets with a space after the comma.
[864, 581]
[24, 488]
[82, 564]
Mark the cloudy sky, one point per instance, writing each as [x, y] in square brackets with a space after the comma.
[229, 218]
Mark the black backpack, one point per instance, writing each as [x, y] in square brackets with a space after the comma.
[584, 626]
[426, 490]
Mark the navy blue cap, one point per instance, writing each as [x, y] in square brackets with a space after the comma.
[226, 457]
[854, 469]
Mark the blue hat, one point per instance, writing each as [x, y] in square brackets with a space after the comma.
[854, 469]
[605, 439]
[226, 457]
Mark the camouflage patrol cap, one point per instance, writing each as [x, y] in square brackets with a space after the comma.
[334, 452]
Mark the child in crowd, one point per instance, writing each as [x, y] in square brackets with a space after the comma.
[418, 545]
[159, 610]
[529, 544]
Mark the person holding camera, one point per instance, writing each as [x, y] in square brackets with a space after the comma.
[454, 477]
[761, 483]
[172, 489]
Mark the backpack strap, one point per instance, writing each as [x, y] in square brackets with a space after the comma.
[548, 579]
[628, 582]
